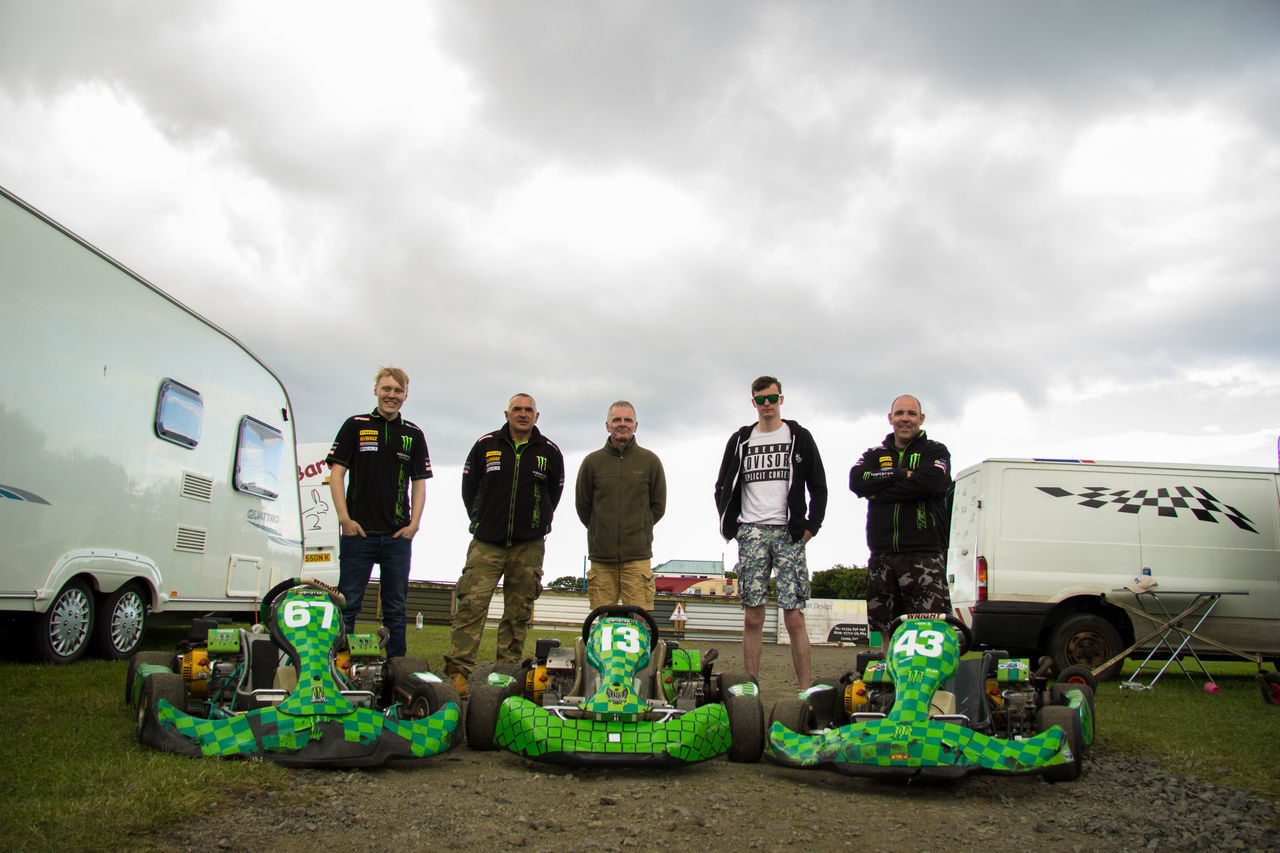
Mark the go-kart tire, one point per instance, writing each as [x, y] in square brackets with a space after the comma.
[398, 671]
[160, 685]
[746, 727]
[482, 715]
[480, 677]
[120, 623]
[1057, 695]
[63, 632]
[1088, 640]
[1060, 715]
[724, 681]
[1077, 674]
[1270, 684]
[164, 659]
[792, 713]
[428, 698]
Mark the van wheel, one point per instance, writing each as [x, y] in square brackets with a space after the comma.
[1088, 640]
[121, 621]
[63, 631]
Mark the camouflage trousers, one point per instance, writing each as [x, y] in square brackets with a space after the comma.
[905, 582]
[520, 567]
[632, 581]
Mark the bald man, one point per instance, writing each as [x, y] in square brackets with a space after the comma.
[905, 480]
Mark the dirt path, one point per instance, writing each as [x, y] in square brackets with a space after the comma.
[493, 800]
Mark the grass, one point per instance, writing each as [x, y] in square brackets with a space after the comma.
[1228, 738]
[75, 777]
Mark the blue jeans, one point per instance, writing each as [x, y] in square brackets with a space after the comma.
[356, 556]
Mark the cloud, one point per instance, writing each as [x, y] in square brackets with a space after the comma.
[1052, 222]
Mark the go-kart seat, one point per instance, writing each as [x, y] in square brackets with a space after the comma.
[969, 685]
[650, 674]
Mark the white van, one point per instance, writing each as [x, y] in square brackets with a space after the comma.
[1039, 545]
[319, 519]
[147, 454]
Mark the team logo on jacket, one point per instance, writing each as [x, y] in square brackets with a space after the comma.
[367, 440]
[492, 461]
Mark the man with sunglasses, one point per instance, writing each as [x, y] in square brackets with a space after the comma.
[906, 481]
[767, 470]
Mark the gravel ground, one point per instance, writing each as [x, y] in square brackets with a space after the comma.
[485, 800]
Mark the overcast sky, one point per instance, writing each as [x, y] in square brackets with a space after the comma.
[1056, 223]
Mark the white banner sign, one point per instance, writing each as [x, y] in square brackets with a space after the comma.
[835, 621]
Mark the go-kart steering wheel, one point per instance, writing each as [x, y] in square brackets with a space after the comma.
[269, 600]
[965, 635]
[621, 610]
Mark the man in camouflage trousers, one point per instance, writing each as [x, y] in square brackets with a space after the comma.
[906, 481]
[511, 485]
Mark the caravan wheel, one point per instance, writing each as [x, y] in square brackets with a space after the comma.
[122, 619]
[63, 631]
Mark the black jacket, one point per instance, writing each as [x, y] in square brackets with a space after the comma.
[905, 513]
[510, 494]
[807, 473]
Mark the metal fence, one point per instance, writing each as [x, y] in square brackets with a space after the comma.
[708, 618]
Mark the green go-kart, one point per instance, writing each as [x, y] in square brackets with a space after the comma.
[299, 691]
[925, 712]
[621, 696]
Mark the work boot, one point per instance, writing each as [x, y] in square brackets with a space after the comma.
[459, 681]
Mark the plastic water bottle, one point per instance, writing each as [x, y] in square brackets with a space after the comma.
[419, 620]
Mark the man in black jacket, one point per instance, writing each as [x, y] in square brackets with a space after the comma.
[766, 471]
[511, 486]
[906, 481]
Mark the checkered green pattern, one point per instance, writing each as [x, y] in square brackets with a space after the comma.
[617, 648]
[307, 721]
[923, 654]
[888, 742]
[267, 730]
[1076, 700]
[313, 623]
[528, 730]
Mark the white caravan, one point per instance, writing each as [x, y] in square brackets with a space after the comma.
[147, 453]
[319, 519]
[1038, 546]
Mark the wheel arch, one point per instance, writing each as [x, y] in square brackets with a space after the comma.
[105, 570]
[1086, 604]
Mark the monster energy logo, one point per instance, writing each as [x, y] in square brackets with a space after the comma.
[407, 442]
[915, 461]
[542, 463]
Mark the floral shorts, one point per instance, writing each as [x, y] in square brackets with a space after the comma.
[765, 549]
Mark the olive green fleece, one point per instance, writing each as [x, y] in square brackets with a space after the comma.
[620, 496]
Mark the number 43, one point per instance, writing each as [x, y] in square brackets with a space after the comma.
[927, 643]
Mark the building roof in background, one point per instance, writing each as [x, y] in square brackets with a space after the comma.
[691, 568]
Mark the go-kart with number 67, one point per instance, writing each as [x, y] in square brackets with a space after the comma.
[299, 692]
[621, 696]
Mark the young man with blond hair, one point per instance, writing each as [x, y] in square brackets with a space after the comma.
[376, 460]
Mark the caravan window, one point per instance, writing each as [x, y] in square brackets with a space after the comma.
[179, 413]
[259, 453]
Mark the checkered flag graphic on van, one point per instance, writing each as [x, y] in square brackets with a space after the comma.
[1168, 502]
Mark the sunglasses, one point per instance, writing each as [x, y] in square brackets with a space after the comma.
[762, 398]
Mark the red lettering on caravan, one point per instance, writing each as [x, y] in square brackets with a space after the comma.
[315, 469]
